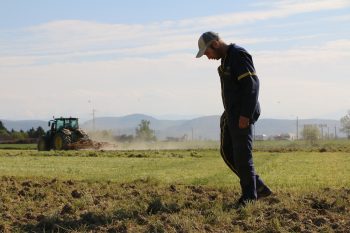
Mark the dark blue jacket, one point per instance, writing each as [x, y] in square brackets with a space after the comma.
[239, 84]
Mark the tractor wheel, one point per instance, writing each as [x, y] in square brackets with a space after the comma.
[81, 134]
[43, 145]
[61, 141]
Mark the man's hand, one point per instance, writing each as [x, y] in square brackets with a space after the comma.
[243, 122]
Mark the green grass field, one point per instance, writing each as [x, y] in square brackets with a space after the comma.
[18, 146]
[171, 191]
[292, 170]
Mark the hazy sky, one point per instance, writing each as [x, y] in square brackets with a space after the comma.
[66, 57]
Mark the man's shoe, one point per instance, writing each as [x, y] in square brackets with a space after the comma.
[242, 202]
[263, 191]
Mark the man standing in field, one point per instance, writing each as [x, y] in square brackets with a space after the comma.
[240, 90]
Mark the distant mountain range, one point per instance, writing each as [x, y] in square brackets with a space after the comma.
[206, 127]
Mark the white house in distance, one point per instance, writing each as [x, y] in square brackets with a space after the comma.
[283, 136]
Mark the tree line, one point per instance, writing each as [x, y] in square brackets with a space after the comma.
[13, 135]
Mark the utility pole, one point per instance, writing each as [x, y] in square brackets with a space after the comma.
[297, 128]
[322, 126]
[327, 132]
[93, 119]
[335, 132]
[93, 115]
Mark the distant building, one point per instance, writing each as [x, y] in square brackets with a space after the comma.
[177, 139]
[260, 137]
[284, 136]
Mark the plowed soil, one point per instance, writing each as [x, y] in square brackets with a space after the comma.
[42, 205]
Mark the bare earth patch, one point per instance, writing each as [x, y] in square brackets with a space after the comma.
[55, 205]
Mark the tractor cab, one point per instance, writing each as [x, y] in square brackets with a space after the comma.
[63, 123]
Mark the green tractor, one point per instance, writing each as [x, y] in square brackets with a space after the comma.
[64, 134]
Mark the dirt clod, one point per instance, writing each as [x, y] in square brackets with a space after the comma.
[76, 194]
[29, 215]
[196, 189]
[320, 221]
[21, 193]
[69, 182]
[67, 209]
[27, 184]
[294, 216]
[323, 150]
[53, 181]
[173, 188]
[320, 204]
[273, 200]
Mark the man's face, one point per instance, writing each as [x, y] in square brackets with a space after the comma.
[212, 52]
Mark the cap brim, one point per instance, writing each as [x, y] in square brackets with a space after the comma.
[201, 53]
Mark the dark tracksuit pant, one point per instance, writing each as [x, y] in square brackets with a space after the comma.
[236, 150]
